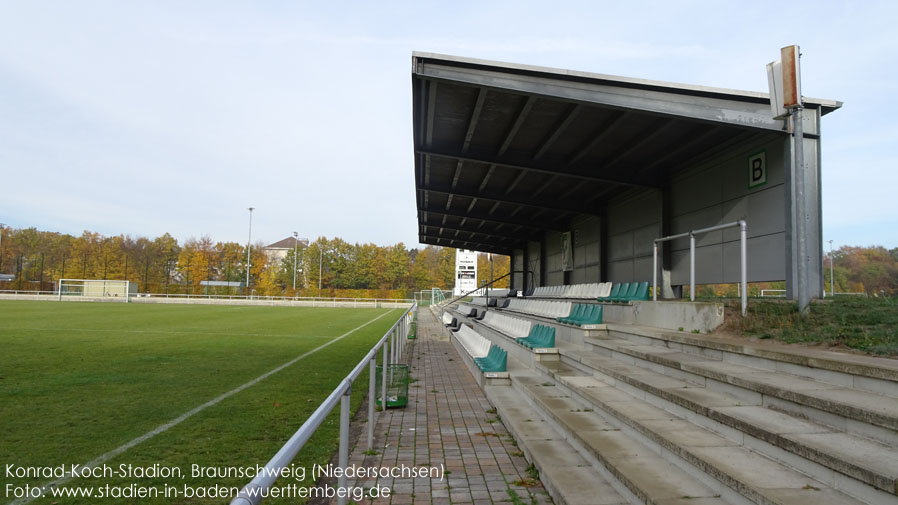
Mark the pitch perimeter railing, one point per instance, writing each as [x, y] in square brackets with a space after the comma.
[393, 343]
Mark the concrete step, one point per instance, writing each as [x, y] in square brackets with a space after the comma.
[646, 475]
[859, 371]
[787, 438]
[877, 409]
[752, 475]
[568, 477]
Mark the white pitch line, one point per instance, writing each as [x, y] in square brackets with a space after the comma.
[187, 415]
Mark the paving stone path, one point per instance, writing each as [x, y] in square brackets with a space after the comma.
[448, 422]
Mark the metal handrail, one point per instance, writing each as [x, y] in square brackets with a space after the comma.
[743, 234]
[487, 285]
[251, 493]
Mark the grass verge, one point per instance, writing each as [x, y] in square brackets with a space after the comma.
[866, 324]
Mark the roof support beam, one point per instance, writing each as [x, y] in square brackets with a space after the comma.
[527, 223]
[431, 112]
[519, 120]
[475, 117]
[530, 166]
[597, 137]
[457, 173]
[553, 204]
[486, 178]
[516, 181]
[707, 105]
[662, 127]
[479, 232]
[559, 129]
[499, 248]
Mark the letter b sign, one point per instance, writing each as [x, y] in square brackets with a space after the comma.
[757, 170]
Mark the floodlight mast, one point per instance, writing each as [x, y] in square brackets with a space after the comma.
[1, 246]
[249, 242]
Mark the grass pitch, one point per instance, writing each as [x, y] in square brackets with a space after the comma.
[78, 380]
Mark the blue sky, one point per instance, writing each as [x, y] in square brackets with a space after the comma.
[153, 117]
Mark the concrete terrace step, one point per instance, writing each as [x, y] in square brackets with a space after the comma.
[866, 407]
[870, 462]
[840, 362]
[570, 479]
[753, 476]
[645, 474]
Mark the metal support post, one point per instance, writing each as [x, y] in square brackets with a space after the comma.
[691, 266]
[655, 271]
[343, 457]
[804, 292]
[383, 378]
[743, 239]
[372, 399]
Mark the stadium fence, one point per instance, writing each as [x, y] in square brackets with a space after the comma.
[393, 343]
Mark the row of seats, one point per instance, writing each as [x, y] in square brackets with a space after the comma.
[627, 292]
[476, 345]
[540, 336]
[603, 291]
[595, 290]
[545, 308]
[583, 313]
[487, 357]
[467, 310]
[479, 300]
[512, 326]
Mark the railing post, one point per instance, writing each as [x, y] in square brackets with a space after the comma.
[372, 399]
[343, 458]
[655, 271]
[691, 266]
[383, 378]
[743, 239]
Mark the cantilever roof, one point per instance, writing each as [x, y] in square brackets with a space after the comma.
[504, 151]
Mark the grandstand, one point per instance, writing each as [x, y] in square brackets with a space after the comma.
[609, 193]
[605, 378]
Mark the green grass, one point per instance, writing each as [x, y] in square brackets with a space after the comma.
[862, 323]
[80, 379]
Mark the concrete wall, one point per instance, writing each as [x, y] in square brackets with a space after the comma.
[586, 237]
[517, 265]
[634, 222]
[713, 191]
[717, 192]
[554, 273]
[534, 261]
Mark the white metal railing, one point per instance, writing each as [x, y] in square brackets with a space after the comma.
[780, 293]
[393, 343]
[743, 234]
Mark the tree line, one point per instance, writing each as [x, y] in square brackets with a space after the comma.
[36, 260]
[849, 269]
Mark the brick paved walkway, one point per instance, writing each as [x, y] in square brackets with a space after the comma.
[449, 422]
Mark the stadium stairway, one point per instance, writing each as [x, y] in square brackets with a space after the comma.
[643, 415]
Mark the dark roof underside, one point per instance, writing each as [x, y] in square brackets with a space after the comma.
[504, 153]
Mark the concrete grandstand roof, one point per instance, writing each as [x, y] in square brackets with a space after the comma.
[504, 151]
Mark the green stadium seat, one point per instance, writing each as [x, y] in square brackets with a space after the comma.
[540, 336]
[626, 294]
[615, 292]
[495, 361]
[576, 313]
[642, 292]
[591, 315]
